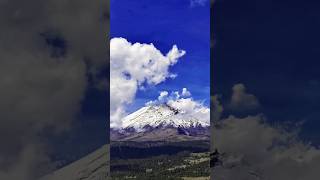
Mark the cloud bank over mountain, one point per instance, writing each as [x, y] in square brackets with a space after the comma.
[134, 66]
[185, 103]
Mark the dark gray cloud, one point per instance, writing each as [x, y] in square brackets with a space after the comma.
[45, 50]
[216, 110]
[241, 100]
[251, 148]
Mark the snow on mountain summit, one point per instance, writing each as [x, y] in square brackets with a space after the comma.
[161, 115]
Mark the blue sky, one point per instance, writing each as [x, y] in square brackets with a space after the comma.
[272, 47]
[165, 23]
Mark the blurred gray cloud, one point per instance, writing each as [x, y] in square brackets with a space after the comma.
[241, 100]
[251, 148]
[43, 81]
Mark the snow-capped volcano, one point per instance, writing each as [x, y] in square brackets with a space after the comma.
[161, 115]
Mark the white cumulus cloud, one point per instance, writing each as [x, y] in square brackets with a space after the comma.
[132, 67]
[185, 92]
[163, 95]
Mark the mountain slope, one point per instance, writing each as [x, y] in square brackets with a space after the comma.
[94, 166]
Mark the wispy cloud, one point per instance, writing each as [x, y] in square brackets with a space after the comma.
[194, 3]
